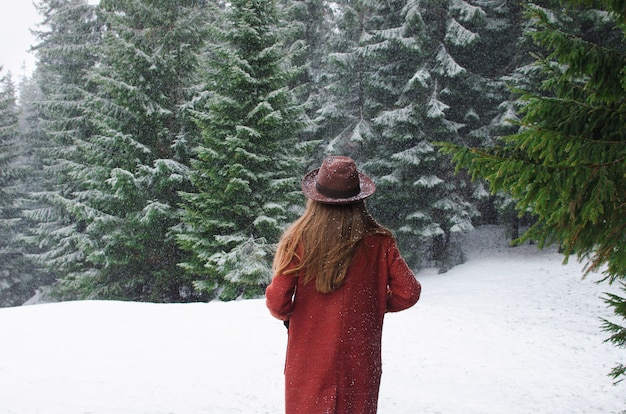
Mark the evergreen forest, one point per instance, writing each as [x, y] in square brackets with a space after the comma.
[156, 152]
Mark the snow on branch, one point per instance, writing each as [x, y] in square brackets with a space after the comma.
[467, 12]
[392, 33]
[458, 35]
[368, 50]
[448, 65]
[154, 211]
[428, 181]
[343, 59]
[421, 77]
[412, 11]
[414, 155]
[246, 263]
[436, 108]
[395, 116]
[120, 179]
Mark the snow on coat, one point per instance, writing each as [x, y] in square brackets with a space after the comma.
[333, 362]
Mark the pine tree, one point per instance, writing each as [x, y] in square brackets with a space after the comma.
[19, 274]
[416, 193]
[507, 55]
[309, 40]
[246, 171]
[344, 116]
[66, 50]
[566, 162]
[389, 71]
[16, 279]
[133, 163]
[32, 273]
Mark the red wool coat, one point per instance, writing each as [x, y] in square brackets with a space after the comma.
[333, 362]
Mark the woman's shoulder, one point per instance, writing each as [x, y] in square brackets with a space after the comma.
[381, 237]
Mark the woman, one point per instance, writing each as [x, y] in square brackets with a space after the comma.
[336, 273]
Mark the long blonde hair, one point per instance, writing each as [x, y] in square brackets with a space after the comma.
[326, 235]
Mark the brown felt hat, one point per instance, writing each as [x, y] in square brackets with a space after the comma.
[337, 181]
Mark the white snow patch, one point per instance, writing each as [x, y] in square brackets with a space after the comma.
[511, 331]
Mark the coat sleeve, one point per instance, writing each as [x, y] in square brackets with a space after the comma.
[279, 296]
[403, 288]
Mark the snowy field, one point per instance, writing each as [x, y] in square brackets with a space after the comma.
[512, 331]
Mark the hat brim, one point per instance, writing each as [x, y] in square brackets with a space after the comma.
[309, 189]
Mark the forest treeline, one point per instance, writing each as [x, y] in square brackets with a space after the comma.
[156, 152]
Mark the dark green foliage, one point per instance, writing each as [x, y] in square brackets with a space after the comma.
[129, 165]
[20, 275]
[618, 333]
[396, 87]
[246, 170]
[66, 50]
[566, 164]
[12, 287]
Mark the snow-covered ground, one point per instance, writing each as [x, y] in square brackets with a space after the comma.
[512, 331]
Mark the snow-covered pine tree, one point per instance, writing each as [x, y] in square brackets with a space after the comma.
[20, 275]
[311, 20]
[134, 161]
[388, 113]
[486, 39]
[439, 90]
[343, 118]
[16, 273]
[247, 167]
[566, 162]
[375, 71]
[35, 277]
[68, 39]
